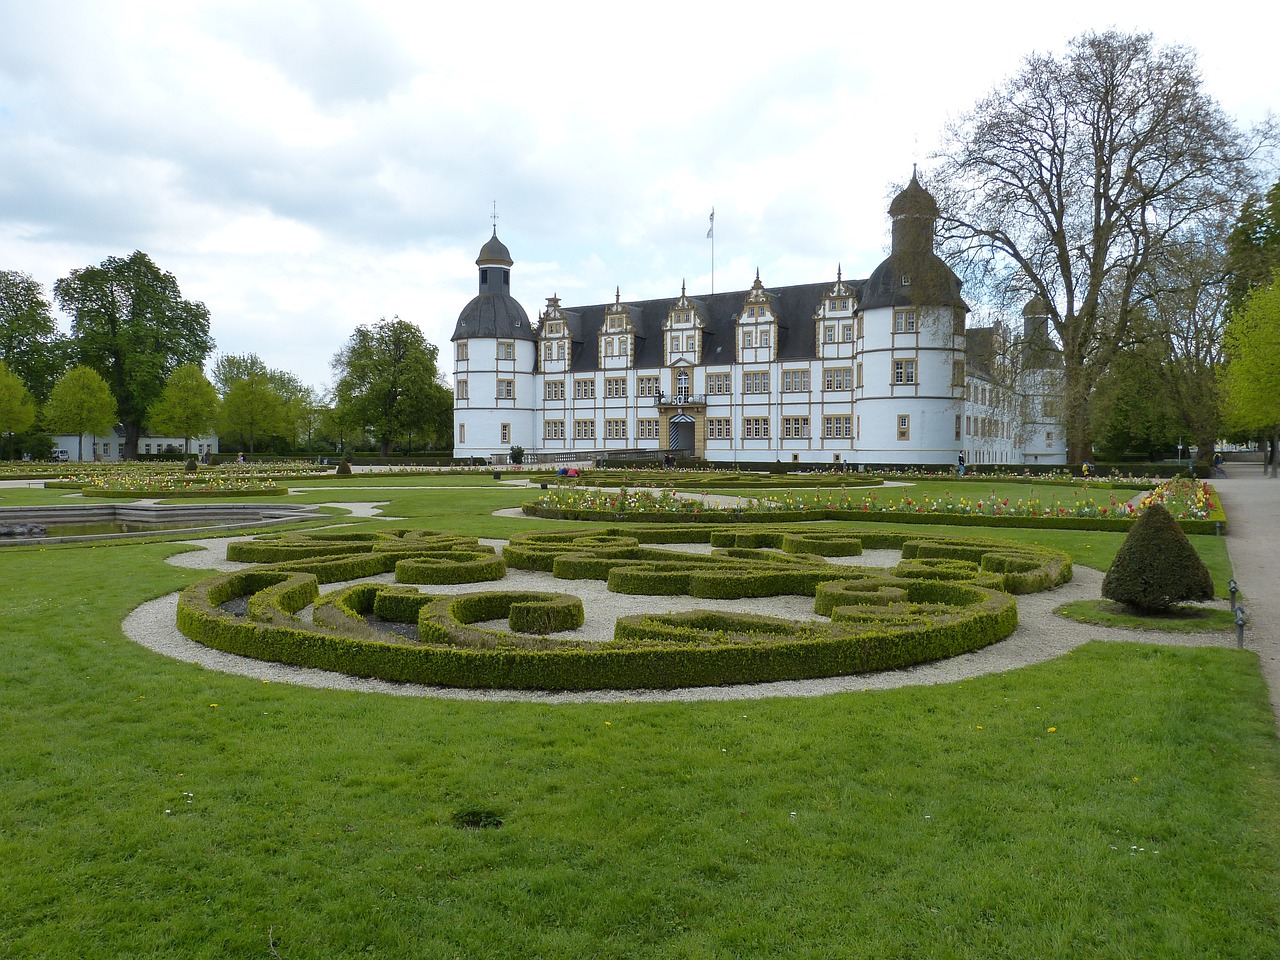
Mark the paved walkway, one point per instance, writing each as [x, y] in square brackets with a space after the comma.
[1253, 513]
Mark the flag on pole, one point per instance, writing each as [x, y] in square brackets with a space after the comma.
[711, 231]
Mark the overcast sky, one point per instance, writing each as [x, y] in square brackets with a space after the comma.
[303, 168]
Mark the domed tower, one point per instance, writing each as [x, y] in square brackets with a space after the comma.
[909, 401]
[495, 352]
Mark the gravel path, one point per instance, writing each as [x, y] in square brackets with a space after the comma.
[1040, 636]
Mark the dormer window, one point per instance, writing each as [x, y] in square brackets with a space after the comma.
[906, 281]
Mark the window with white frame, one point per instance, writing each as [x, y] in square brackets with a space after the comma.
[904, 371]
[904, 426]
[615, 387]
[584, 389]
[795, 381]
[460, 350]
[647, 429]
[460, 389]
[719, 428]
[755, 381]
[838, 427]
[506, 389]
[615, 429]
[837, 378]
[584, 429]
[504, 433]
[746, 336]
[795, 428]
[646, 386]
[462, 433]
[506, 350]
[552, 389]
[755, 428]
[904, 321]
[553, 430]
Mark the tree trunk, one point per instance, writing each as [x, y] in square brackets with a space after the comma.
[129, 451]
[1076, 414]
[1275, 448]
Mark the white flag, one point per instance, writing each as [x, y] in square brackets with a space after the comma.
[711, 231]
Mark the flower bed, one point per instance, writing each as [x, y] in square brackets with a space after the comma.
[947, 596]
[643, 505]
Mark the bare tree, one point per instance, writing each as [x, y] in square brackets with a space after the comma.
[1069, 180]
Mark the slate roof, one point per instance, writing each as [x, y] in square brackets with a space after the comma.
[496, 315]
[794, 308]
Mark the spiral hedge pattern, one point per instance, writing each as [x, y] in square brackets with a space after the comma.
[946, 596]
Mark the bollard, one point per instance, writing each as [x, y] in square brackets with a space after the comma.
[1232, 586]
[1240, 627]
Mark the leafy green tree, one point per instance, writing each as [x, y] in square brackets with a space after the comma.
[80, 403]
[1132, 407]
[1251, 385]
[388, 380]
[17, 408]
[187, 408]
[131, 324]
[30, 343]
[1070, 181]
[252, 409]
[1253, 248]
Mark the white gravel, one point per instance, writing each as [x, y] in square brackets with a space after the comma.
[1040, 636]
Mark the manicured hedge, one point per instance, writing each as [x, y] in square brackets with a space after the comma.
[878, 619]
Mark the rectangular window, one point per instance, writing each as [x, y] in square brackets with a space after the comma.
[506, 389]
[957, 426]
[584, 429]
[460, 350]
[904, 371]
[795, 381]
[460, 390]
[860, 327]
[462, 433]
[689, 342]
[506, 350]
[615, 387]
[837, 378]
[764, 338]
[755, 428]
[719, 383]
[829, 334]
[646, 386]
[846, 332]
[675, 344]
[957, 373]
[904, 321]
[584, 389]
[615, 429]
[718, 428]
[904, 426]
[756, 381]
[553, 389]
[504, 433]
[647, 429]
[553, 430]
[837, 428]
[795, 428]
[746, 337]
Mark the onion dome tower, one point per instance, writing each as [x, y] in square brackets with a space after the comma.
[493, 313]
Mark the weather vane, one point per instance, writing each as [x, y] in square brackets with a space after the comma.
[494, 218]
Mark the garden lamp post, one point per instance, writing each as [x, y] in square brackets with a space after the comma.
[1233, 587]
[1240, 627]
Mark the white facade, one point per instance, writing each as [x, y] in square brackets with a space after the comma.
[852, 373]
[108, 448]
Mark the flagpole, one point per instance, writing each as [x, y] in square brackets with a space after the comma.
[711, 235]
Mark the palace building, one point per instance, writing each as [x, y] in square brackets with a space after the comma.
[880, 371]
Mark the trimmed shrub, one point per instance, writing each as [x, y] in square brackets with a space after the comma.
[1157, 567]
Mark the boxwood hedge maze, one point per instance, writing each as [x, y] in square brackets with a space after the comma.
[946, 596]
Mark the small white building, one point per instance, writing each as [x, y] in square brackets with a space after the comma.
[878, 371]
[109, 447]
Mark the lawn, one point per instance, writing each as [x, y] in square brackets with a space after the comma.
[1121, 801]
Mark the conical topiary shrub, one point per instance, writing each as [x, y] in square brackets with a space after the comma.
[1156, 566]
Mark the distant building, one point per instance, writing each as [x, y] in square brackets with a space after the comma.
[877, 371]
[108, 448]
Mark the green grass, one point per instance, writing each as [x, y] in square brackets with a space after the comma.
[942, 822]
[1181, 619]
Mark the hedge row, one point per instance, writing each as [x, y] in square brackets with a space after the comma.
[1109, 524]
[940, 600]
